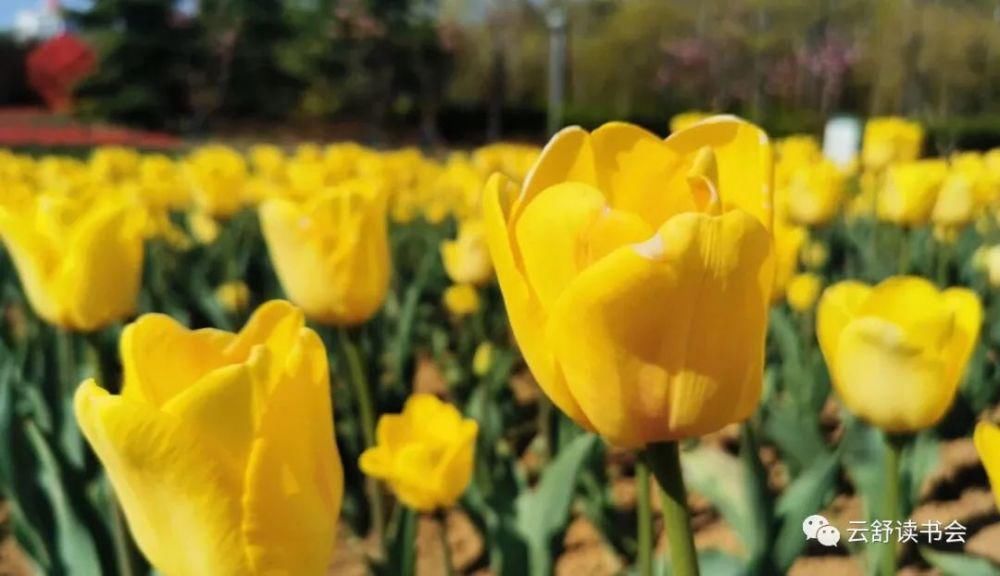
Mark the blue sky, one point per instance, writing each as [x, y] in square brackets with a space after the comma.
[10, 8]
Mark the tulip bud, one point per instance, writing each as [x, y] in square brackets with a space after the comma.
[211, 474]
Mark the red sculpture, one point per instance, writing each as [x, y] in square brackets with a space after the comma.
[56, 66]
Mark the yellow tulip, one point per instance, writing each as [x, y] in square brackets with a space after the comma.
[461, 299]
[793, 153]
[467, 258]
[629, 265]
[482, 360]
[204, 227]
[988, 259]
[814, 193]
[897, 351]
[161, 183]
[268, 161]
[803, 290]
[987, 441]
[910, 190]
[788, 243]
[890, 139]
[331, 252]
[425, 454]
[815, 254]
[218, 177]
[955, 205]
[220, 447]
[233, 296]
[80, 262]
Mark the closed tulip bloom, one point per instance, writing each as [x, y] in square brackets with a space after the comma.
[218, 177]
[425, 454]
[461, 299]
[910, 191]
[897, 351]
[788, 243]
[803, 291]
[467, 258]
[80, 262]
[814, 193]
[233, 296]
[890, 139]
[331, 252]
[987, 441]
[793, 153]
[631, 266]
[220, 447]
[955, 205]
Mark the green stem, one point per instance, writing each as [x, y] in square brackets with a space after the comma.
[449, 566]
[890, 501]
[408, 562]
[366, 411]
[904, 251]
[359, 385]
[664, 461]
[644, 513]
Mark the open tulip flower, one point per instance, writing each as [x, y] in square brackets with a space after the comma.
[425, 454]
[631, 265]
[220, 446]
[897, 351]
[637, 275]
[331, 252]
[79, 259]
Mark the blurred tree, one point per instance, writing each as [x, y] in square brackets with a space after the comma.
[145, 48]
[246, 38]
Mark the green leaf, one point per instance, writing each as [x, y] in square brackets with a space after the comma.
[804, 497]
[543, 512]
[920, 459]
[956, 564]
[710, 563]
[722, 479]
[74, 541]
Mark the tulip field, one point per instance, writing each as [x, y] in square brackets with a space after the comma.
[710, 352]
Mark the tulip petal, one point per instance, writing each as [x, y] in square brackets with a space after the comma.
[568, 157]
[885, 379]
[525, 315]
[294, 481]
[181, 503]
[838, 305]
[637, 334]
[100, 275]
[36, 262]
[987, 441]
[744, 158]
[454, 471]
[552, 233]
[161, 357]
[968, 314]
[220, 408]
[639, 174]
[915, 305]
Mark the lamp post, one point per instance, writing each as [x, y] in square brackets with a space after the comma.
[555, 19]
